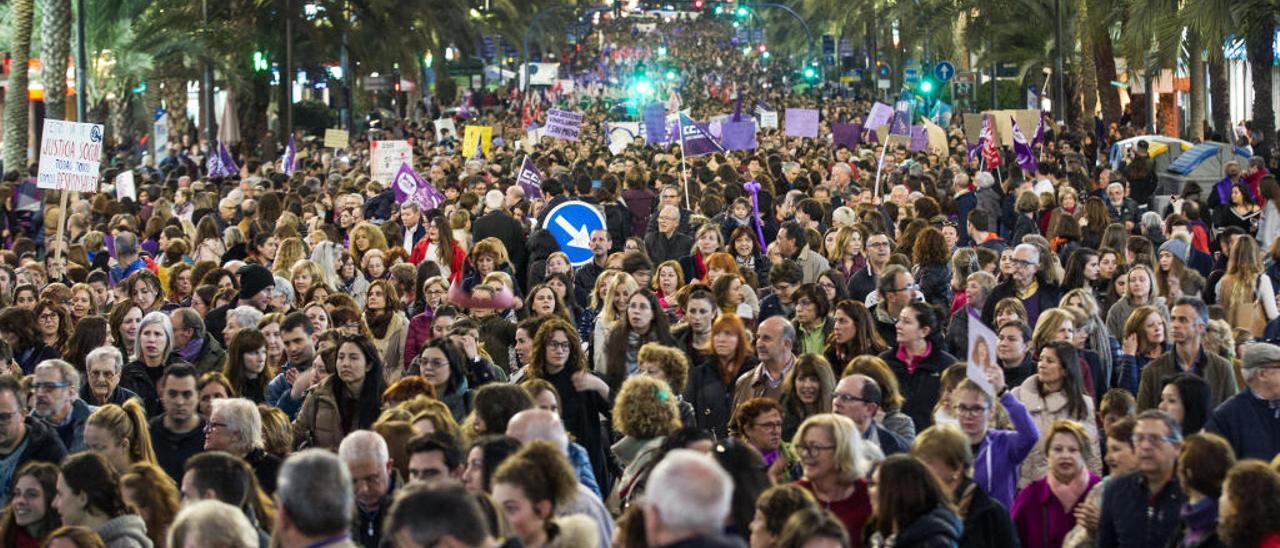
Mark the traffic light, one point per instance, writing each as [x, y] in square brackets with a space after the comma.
[742, 12]
[644, 86]
[428, 58]
[671, 75]
[927, 86]
[810, 74]
[260, 63]
[762, 49]
[697, 4]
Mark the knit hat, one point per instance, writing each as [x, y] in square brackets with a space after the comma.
[1257, 355]
[1177, 248]
[253, 279]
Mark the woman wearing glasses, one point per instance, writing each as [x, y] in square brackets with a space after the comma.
[835, 467]
[441, 363]
[999, 452]
[758, 422]
[558, 358]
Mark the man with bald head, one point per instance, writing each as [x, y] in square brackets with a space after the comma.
[858, 397]
[666, 243]
[775, 341]
[539, 424]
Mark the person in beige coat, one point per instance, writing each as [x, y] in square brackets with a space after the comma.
[338, 404]
[388, 327]
[1054, 393]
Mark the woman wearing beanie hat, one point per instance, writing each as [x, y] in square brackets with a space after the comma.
[1172, 263]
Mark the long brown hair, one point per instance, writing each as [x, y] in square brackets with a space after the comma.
[155, 498]
[1254, 491]
[245, 341]
[915, 491]
[577, 358]
[618, 342]
[866, 339]
[46, 474]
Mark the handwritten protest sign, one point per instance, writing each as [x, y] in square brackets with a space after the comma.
[563, 124]
[70, 153]
[386, 157]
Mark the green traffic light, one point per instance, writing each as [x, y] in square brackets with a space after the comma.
[926, 86]
[671, 75]
[662, 51]
[766, 55]
[810, 74]
[644, 87]
[742, 11]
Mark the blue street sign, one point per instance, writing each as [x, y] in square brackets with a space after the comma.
[572, 224]
[911, 75]
[944, 71]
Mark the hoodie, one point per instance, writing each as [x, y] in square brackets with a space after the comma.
[938, 528]
[127, 531]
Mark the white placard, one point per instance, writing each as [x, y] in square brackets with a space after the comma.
[69, 156]
[443, 125]
[769, 119]
[387, 156]
[125, 187]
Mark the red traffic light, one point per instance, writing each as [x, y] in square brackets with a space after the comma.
[697, 4]
[762, 48]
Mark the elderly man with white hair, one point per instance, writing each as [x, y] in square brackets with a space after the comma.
[540, 424]
[235, 426]
[56, 384]
[102, 369]
[666, 243]
[687, 501]
[1250, 420]
[212, 523]
[1026, 284]
[366, 457]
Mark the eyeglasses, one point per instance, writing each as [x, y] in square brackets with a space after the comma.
[1154, 439]
[47, 386]
[847, 398]
[912, 287]
[813, 448]
[48, 317]
[1020, 262]
[560, 345]
[434, 364]
[971, 410]
[806, 302]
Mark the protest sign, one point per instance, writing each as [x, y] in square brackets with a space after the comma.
[386, 157]
[336, 138]
[622, 134]
[125, 187]
[562, 124]
[445, 129]
[846, 134]
[801, 122]
[476, 141]
[740, 135]
[982, 354]
[69, 156]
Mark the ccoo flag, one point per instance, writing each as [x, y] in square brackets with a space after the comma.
[695, 140]
[1038, 137]
[1026, 158]
[530, 179]
[290, 162]
[411, 186]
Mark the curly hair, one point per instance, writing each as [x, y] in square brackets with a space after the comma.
[1253, 490]
[542, 472]
[645, 408]
[541, 340]
[779, 502]
[674, 363]
[406, 389]
[277, 430]
[748, 411]
[930, 248]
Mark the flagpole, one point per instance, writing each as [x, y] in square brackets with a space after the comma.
[684, 174]
[880, 165]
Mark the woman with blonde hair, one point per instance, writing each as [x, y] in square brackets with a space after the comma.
[84, 302]
[277, 432]
[669, 365]
[305, 274]
[364, 237]
[1245, 292]
[613, 309]
[707, 240]
[120, 433]
[644, 413]
[835, 465]
[1044, 510]
[151, 494]
[291, 251]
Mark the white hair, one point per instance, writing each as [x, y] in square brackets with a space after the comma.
[105, 353]
[364, 445]
[542, 425]
[689, 491]
[246, 317]
[984, 179]
[284, 288]
[242, 417]
[212, 522]
[1033, 250]
[166, 325]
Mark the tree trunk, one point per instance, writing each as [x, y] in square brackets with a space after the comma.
[118, 107]
[174, 95]
[1195, 119]
[1088, 70]
[1258, 41]
[1218, 93]
[16, 120]
[55, 48]
[1104, 56]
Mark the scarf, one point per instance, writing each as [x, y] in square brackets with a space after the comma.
[191, 351]
[1069, 493]
[1201, 519]
[701, 265]
[378, 322]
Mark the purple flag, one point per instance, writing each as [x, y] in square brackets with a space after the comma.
[530, 179]
[739, 135]
[220, 163]
[411, 186]
[1026, 158]
[289, 165]
[879, 116]
[919, 139]
[655, 123]
[801, 122]
[1038, 137]
[901, 125]
[696, 141]
[846, 134]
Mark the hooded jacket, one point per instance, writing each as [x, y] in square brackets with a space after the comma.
[937, 528]
[127, 531]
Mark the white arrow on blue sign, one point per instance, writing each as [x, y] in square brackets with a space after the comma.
[572, 224]
[944, 71]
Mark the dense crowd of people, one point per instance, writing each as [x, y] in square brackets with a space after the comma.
[764, 347]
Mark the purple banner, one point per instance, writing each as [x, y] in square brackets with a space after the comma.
[919, 139]
[695, 140]
[739, 135]
[801, 122]
[879, 116]
[846, 134]
[655, 123]
[411, 186]
[1026, 158]
[530, 179]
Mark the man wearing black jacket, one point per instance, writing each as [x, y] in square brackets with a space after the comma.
[1027, 284]
[22, 438]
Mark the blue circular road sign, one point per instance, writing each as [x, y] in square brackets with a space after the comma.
[572, 224]
[944, 71]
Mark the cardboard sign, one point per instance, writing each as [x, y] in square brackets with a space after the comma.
[445, 126]
[801, 122]
[561, 124]
[386, 157]
[337, 138]
[476, 138]
[69, 156]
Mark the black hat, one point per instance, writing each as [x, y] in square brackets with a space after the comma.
[253, 279]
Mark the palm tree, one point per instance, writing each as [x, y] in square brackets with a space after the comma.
[55, 48]
[15, 106]
[1088, 69]
[1259, 23]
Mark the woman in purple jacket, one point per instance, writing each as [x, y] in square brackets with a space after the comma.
[1044, 511]
[999, 452]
